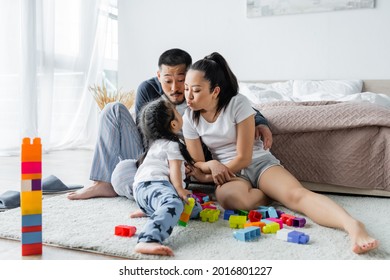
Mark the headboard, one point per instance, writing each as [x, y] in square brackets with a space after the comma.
[377, 86]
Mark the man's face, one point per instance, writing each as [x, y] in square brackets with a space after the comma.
[172, 82]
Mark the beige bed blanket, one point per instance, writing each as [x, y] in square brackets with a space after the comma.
[339, 143]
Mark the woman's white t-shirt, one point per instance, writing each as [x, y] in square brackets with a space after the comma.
[156, 166]
[221, 136]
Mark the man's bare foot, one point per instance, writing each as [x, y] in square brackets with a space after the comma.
[362, 242]
[98, 189]
[137, 214]
[153, 249]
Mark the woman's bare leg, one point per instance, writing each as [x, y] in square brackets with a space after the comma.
[280, 185]
[239, 194]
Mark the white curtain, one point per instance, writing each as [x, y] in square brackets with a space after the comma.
[51, 51]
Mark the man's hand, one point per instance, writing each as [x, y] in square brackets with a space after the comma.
[265, 133]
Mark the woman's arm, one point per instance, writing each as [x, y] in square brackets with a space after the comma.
[244, 145]
[176, 179]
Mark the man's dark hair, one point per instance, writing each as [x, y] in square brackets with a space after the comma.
[174, 57]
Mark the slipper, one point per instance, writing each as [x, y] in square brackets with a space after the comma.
[53, 185]
[9, 200]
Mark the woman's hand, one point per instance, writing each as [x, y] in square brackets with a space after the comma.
[220, 172]
[192, 171]
[265, 133]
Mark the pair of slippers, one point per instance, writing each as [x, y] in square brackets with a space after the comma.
[50, 185]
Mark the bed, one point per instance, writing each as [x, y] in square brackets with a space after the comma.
[334, 136]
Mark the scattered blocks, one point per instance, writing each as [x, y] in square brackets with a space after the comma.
[292, 236]
[247, 234]
[124, 230]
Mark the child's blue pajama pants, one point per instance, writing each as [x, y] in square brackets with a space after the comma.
[160, 201]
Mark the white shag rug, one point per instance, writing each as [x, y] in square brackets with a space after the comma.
[88, 225]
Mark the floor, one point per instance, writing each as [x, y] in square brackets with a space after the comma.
[58, 163]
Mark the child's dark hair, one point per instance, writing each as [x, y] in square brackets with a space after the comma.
[217, 71]
[155, 123]
[174, 57]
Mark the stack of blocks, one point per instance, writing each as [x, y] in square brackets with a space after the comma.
[185, 216]
[31, 197]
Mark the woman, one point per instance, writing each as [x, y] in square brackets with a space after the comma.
[246, 174]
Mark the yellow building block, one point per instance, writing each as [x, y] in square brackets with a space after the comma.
[31, 202]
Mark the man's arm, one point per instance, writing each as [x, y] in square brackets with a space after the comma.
[259, 118]
[263, 130]
[146, 92]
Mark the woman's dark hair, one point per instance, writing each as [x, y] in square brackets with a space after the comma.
[155, 123]
[174, 57]
[217, 71]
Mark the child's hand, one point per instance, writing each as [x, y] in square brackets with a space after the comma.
[184, 194]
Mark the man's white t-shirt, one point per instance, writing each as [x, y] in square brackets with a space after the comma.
[155, 166]
[221, 136]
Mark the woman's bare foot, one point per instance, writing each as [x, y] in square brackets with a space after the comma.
[362, 242]
[137, 214]
[153, 248]
[98, 189]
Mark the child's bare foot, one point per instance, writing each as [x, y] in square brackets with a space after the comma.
[137, 214]
[98, 189]
[361, 241]
[153, 248]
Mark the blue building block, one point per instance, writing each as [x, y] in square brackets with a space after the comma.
[228, 213]
[247, 234]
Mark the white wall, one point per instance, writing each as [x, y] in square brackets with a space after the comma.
[332, 45]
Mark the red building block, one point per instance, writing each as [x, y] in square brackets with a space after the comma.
[124, 230]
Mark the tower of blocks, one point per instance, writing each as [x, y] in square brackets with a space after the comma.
[31, 197]
[185, 216]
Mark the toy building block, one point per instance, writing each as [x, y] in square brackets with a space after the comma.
[200, 197]
[124, 230]
[279, 221]
[209, 215]
[236, 221]
[208, 206]
[255, 224]
[270, 227]
[254, 216]
[185, 216]
[264, 211]
[292, 236]
[293, 221]
[247, 234]
[279, 212]
[272, 212]
[242, 213]
[228, 213]
[31, 196]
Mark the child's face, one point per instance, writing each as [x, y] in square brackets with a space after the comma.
[177, 123]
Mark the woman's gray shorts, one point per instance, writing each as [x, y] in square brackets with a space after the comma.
[254, 171]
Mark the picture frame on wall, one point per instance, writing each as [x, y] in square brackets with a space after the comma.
[263, 8]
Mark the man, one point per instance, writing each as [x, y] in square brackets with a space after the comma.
[119, 138]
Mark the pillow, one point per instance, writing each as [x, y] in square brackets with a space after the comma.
[262, 92]
[326, 88]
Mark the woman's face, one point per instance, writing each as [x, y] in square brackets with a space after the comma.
[197, 91]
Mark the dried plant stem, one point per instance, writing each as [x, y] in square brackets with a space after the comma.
[103, 97]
